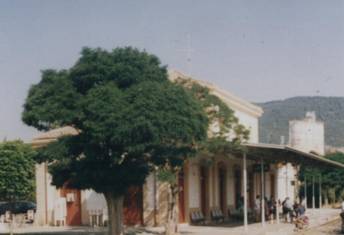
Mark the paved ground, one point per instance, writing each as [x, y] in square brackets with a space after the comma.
[318, 218]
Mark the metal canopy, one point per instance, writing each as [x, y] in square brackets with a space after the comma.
[281, 154]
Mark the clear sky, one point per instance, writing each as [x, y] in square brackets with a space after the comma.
[260, 50]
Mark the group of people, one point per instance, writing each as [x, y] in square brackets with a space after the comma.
[290, 210]
[296, 210]
[269, 208]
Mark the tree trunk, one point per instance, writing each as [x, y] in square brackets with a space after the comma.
[171, 227]
[115, 213]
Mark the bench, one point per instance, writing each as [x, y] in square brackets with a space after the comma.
[217, 215]
[238, 214]
[197, 217]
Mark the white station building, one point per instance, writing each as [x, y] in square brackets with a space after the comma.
[207, 185]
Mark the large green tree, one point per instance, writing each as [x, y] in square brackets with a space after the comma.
[129, 117]
[17, 171]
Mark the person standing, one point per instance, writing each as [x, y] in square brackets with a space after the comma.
[257, 208]
[287, 208]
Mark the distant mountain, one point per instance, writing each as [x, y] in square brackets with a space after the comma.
[275, 121]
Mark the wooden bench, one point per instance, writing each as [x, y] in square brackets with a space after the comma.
[217, 215]
[197, 217]
[238, 214]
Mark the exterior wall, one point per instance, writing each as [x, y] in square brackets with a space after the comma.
[92, 202]
[46, 196]
[194, 185]
[230, 186]
[40, 194]
[307, 134]
[250, 122]
[213, 199]
[286, 182]
[268, 190]
[155, 201]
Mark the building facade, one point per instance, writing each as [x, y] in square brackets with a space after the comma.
[205, 184]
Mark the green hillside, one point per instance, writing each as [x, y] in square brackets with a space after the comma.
[274, 122]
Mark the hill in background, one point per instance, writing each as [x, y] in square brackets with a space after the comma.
[275, 121]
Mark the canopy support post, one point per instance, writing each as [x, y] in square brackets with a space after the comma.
[305, 193]
[262, 209]
[286, 180]
[320, 196]
[313, 192]
[244, 173]
[277, 208]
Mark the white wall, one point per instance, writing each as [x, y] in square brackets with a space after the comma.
[285, 175]
[93, 200]
[40, 194]
[251, 123]
[193, 184]
[307, 135]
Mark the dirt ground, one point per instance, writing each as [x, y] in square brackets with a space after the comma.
[331, 228]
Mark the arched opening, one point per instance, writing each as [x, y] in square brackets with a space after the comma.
[204, 191]
[133, 206]
[222, 187]
[73, 213]
[181, 198]
[272, 185]
[237, 186]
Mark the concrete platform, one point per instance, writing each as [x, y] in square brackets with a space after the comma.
[317, 217]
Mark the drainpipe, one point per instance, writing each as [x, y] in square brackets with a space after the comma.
[313, 192]
[262, 209]
[305, 192]
[155, 206]
[245, 193]
[46, 191]
[320, 196]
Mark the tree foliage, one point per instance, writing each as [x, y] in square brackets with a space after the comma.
[17, 171]
[225, 133]
[129, 117]
[331, 178]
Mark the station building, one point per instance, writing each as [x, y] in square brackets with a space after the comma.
[220, 183]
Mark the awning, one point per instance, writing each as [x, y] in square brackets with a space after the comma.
[282, 154]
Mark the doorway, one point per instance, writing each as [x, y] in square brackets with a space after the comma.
[204, 194]
[222, 188]
[73, 197]
[237, 186]
[133, 206]
[272, 185]
[181, 197]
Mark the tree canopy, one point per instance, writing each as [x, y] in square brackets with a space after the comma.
[331, 178]
[225, 133]
[17, 171]
[129, 117]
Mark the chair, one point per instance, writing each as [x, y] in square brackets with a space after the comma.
[60, 212]
[105, 217]
[30, 216]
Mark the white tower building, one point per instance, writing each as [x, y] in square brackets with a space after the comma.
[307, 134]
